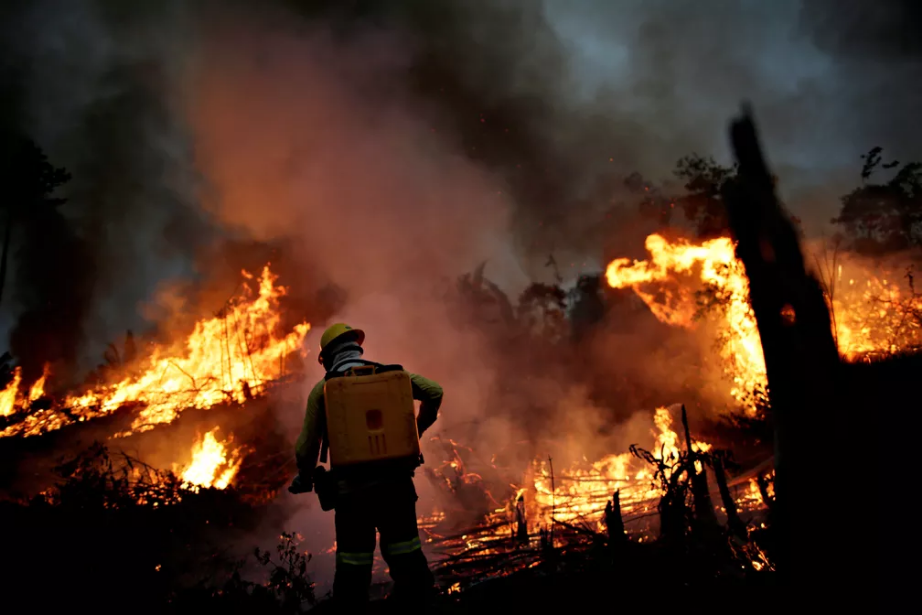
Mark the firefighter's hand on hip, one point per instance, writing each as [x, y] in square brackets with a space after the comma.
[300, 484]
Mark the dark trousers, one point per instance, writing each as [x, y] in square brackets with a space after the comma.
[388, 508]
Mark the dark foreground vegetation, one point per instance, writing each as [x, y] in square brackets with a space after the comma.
[114, 535]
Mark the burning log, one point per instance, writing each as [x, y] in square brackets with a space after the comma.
[614, 522]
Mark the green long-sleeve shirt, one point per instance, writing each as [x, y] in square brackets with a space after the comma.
[307, 448]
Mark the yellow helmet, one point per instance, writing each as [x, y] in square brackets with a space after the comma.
[335, 333]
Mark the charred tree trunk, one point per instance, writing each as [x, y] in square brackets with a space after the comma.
[614, 522]
[734, 523]
[704, 506]
[673, 512]
[672, 520]
[521, 523]
[801, 357]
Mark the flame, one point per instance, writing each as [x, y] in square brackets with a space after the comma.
[753, 496]
[9, 395]
[227, 358]
[581, 493]
[214, 464]
[38, 387]
[714, 263]
[576, 495]
[871, 315]
[874, 315]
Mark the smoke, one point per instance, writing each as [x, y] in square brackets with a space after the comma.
[97, 94]
[552, 104]
[876, 50]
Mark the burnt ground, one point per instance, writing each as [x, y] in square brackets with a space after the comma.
[95, 547]
[101, 549]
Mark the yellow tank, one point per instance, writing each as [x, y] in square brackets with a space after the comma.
[370, 416]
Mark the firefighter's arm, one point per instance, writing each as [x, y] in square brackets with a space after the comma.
[429, 394]
[307, 447]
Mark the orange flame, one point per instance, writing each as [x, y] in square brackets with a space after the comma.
[581, 492]
[214, 464]
[227, 358]
[38, 387]
[578, 495]
[10, 395]
[873, 315]
[714, 263]
[870, 314]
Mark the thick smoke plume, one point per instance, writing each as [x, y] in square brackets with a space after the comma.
[557, 102]
[96, 85]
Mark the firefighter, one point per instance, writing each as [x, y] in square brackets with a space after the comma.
[372, 497]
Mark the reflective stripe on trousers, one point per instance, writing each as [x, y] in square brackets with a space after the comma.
[402, 548]
[355, 559]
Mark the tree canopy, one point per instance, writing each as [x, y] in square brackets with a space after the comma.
[883, 217]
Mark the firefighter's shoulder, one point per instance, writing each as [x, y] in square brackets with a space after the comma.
[316, 393]
[430, 386]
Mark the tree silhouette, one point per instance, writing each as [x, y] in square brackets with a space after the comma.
[30, 180]
[587, 305]
[879, 218]
[54, 269]
[654, 202]
[542, 311]
[703, 206]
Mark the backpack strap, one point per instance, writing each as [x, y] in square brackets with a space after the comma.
[324, 440]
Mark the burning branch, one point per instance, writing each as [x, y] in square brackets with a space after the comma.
[679, 473]
[674, 513]
[219, 371]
